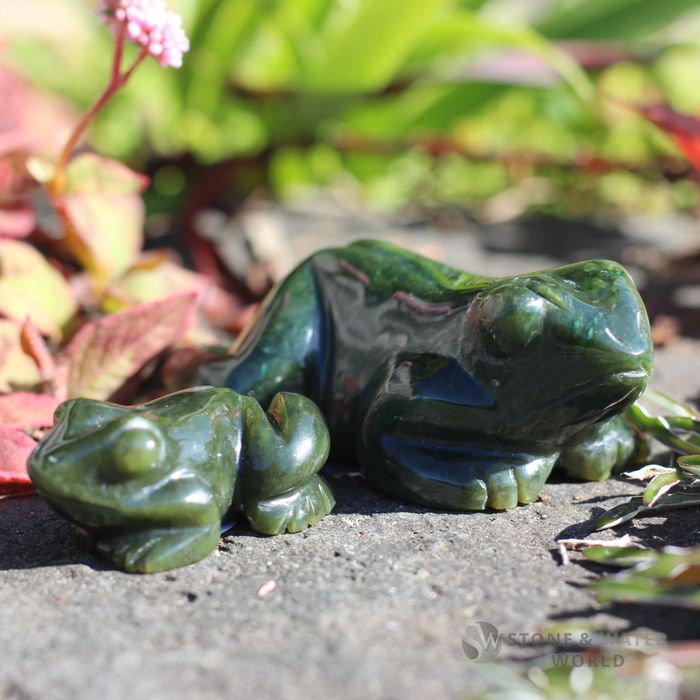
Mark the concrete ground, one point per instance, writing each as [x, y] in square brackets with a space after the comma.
[370, 603]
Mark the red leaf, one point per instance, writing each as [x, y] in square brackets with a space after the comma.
[16, 222]
[156, 275]
[31, 120]
[22, 409]
[105, 353]
[33, 345]
[31, 286]
[18, 370]
[102, 215]
[684, 130]
[180, 367]
[17, 218]
[15, 448]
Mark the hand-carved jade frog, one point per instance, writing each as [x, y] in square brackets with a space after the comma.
[452, 389]
[448, 389]
[149, 485]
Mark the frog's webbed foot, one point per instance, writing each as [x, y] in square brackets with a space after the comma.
[293, 511]
[414, 441]
[601, 450]
[149, 551]
[284, 450]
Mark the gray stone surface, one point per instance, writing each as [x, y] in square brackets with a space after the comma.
[370, 603]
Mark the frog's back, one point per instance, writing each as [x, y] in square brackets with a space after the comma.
[384, 269]
[380, 300]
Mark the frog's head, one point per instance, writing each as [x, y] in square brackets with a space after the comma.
[106, 466]
[560, 349]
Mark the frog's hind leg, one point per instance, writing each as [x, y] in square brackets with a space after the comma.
[283, 349]
[413, 440]
[284, 450]
[601, 450]
[457, 476]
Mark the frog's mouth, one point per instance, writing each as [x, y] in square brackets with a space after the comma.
[632, 375]
[589, 402]
[147, 505]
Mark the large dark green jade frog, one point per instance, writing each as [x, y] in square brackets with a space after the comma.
[451, 389]
[149, 486]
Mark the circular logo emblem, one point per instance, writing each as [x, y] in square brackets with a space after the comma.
[481, 641]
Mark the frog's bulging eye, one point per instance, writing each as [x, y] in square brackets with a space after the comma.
[138, 450]
[510, 319]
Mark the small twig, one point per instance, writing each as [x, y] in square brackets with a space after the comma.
[565, 561]
[577, 545]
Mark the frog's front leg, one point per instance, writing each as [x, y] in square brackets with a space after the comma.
[601, 450]
[283, 349]
[149, 551]
[418, 440]
[283, 451]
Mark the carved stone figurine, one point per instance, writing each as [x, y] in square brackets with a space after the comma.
[448, 389]
[148, 486]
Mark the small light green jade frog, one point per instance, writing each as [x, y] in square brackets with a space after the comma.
[447, 389]
[149, 486]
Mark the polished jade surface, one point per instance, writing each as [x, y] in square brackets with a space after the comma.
[447, 389]
[450, 389]
[148, 487]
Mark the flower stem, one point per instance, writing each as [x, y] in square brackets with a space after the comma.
[117, 80]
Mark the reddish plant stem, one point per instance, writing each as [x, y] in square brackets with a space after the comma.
[117, 80]
[118, 51]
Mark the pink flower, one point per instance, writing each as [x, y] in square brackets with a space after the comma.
[150, 24]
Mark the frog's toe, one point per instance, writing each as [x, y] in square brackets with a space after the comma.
[292, 511]
[531, 477]
[501, 489]
[465, 478]
[521, 483]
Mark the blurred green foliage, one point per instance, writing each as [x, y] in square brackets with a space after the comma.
[473, 102]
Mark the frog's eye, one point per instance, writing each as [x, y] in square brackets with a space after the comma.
[82, 416]
[510, 319]
[139, 449]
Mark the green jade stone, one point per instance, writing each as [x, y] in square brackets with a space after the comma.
[449, 389]
[148, 487]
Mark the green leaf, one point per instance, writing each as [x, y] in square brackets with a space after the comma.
[422, 108]
[465, 33]
[30, 286]
[615, 20]
[222, 31]
[363, 44]
[635, 507]
[669, 430]
[92, 174]
[620, 514]
[658, 486]
[666, 403]
[618, 556]
[668, 577]
[690, 464]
